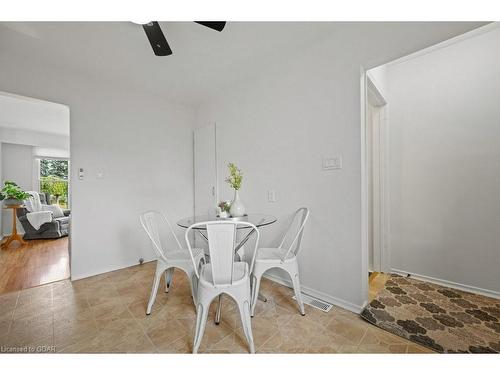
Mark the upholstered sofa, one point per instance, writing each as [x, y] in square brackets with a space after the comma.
[57, 228]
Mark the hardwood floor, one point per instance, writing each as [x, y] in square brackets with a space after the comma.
[36, 263]
[376, 281]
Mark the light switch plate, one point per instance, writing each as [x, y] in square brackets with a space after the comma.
[332, 162]
[271, 196]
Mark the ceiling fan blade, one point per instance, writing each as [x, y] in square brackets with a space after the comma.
[219, 26]
[157, 39]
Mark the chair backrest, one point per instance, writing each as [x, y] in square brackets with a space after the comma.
[300, 218]
[152, 221]
[221, 247]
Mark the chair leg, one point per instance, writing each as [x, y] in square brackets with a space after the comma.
[218, 311]
[193, 281]
[255, 292]
[201, 321]
[154, 290]
[298, 294]
[246, 320]
[169, 274]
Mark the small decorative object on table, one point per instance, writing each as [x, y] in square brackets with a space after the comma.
[223, 209]
[234, 180]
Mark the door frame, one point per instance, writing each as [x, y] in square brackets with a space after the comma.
[371, 93]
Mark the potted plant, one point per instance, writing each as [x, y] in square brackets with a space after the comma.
[224, 207]
[234, 180]
[12, 195]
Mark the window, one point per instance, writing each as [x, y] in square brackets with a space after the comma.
[53, 179]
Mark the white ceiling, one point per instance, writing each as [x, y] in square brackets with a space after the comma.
[203, 61]
[17, 112]
[202, 58]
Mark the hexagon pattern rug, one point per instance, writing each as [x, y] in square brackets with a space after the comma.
[443, 319]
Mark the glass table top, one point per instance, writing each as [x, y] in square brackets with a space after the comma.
[259, 220]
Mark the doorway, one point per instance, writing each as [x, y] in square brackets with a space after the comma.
[376, 158]
[34, 159]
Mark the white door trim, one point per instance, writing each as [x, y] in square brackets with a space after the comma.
[364, 190]
[370, 91]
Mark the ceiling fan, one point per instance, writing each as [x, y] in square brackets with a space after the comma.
[159, 42]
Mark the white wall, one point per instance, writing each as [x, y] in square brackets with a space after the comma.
[445, 157]
[277, 128]
[141, 143]
[17, 166]
[34, 138]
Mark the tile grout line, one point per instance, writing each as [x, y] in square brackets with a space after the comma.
[143, 329]
[121, 303]
[361, 340]
[93, 319]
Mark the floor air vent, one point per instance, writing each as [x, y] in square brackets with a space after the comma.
[316, 303]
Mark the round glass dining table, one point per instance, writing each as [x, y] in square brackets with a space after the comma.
[259, 220]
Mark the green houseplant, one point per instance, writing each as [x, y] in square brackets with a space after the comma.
[11, 194]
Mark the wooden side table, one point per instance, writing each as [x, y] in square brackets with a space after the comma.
[14, 236]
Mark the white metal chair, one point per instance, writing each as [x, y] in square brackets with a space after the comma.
[223, 275]
[284, 258]
[167, 261]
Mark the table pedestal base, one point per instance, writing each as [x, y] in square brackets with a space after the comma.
[12, 238]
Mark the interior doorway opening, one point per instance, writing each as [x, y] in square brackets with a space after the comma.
[376, 159]
[35, 170]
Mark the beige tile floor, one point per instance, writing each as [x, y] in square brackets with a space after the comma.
[106, 314]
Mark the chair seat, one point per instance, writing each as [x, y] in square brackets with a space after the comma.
[183, 254]
[240, 273]
[272, 255]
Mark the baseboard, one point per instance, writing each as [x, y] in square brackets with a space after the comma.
[317, 294]
[449, 284]
[75, 277]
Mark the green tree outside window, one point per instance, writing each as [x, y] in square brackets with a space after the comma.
[54, 180]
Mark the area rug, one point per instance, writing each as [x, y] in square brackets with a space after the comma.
[443, 319]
